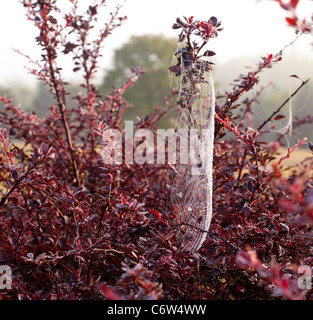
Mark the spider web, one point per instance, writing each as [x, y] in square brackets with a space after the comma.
[285, 126]
[192, 182]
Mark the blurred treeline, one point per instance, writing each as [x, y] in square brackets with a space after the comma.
[155, 53]
[36, 99]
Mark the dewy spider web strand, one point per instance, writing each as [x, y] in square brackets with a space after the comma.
[192, 188]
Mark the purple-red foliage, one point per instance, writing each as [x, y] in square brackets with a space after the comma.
[72, 227]
[301, 25]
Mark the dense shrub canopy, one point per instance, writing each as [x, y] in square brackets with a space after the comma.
[72, 227]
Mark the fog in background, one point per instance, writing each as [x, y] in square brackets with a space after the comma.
[251, 30]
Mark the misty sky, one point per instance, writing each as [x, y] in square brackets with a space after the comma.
[251, 28]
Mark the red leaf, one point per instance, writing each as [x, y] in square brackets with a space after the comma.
[107, 292]
[44, 148]
[158, 214]
[294, 3]
[269, 58]
[278, 117]
[284, 284]
[174, 68]
[287, 205]
[209, 53]
[15, 175]
[292, 22]
[244, 258]
[123, 200]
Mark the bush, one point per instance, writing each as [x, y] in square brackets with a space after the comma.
[73, 227]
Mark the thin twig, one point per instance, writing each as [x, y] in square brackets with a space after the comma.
[285, 102]
[17, 182]
[61, 105]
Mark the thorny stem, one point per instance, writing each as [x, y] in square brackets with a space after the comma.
[89, 71]
[65, 124]
[61, 105]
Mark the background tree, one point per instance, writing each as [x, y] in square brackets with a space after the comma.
[153, 53]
